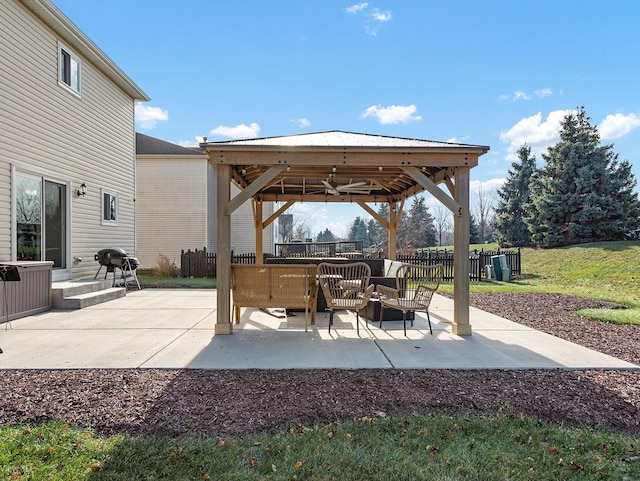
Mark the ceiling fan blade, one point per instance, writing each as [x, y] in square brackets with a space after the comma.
[330, 188]
[354, 184]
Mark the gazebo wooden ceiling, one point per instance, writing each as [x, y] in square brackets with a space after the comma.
[337, 166]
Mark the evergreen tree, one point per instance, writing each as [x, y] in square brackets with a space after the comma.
[416, 228]
[584, 193]
[474, 231]
[373, 228]
[358, 231]
[381, 234]
[625, 184]
[326, 236]
[509, 224]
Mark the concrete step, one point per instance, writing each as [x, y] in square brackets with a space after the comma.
[80, 294]
[81, 301]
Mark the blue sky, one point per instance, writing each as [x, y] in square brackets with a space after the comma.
[496, 73]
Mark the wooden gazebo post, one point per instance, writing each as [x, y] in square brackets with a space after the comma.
[461, 223]
[223, 256]
[258, 224]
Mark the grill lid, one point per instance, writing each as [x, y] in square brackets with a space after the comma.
[111, 257]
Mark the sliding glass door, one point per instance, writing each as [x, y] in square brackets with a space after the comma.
[41, 211]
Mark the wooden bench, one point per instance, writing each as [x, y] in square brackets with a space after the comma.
[275, 285]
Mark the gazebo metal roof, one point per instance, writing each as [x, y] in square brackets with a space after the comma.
[359, 167]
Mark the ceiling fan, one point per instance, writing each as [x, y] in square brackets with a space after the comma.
[354, 188]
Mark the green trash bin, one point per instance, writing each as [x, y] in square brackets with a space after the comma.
[497, 267]
[501, 268]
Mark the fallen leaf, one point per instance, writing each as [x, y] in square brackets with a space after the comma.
[575, 466]
[553, 450]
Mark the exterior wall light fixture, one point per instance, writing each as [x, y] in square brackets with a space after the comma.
[82, 191]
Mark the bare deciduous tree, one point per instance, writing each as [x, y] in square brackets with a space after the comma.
[442, 221]
[484, 212]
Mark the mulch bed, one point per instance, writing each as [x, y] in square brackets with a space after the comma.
[230, 402]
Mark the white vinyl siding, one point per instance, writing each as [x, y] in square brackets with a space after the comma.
[171, 207]
[35, 114]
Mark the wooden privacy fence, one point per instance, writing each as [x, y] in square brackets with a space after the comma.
[200, 263]
[203, 264]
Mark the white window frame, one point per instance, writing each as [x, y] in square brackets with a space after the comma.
[75, 60]
[113, 219]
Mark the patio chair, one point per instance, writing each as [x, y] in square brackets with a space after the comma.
[345, 287]
[415, 286]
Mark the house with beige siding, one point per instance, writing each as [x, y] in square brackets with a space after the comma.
[67, 143]
[176, 204]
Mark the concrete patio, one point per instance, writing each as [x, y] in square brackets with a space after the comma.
[174, 328]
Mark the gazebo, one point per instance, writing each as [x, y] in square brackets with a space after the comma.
[337, 166]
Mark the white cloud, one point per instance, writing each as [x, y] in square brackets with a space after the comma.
[358, 7]
[536, 133]
[374, 18]
[522, 95]
[488, 187]
[618, 125]
[241, 131]
[393, 114]
[381, 16]
[542, 93]
[302, 123]
[191, 143]
[148, 117]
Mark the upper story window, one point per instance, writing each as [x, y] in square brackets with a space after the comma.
[69, 69]
[109, 208]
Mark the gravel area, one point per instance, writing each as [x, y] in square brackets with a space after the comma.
[230, 402]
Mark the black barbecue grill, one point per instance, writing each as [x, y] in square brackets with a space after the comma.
[117, 261]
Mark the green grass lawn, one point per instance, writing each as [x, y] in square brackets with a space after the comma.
[395, 448]
[607, 271]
